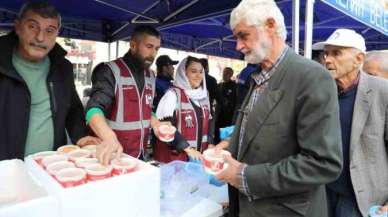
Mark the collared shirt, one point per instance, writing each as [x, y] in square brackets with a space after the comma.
[261, 82]
[354, 84]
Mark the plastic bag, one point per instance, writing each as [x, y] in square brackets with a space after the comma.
[179, 180]
[373, 212]
[211, 178]
[226, 132]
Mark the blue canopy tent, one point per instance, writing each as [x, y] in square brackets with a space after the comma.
[194, 25]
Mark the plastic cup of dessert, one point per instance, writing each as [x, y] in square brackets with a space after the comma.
[38, 157]
[214, 162]
[97, 171]
[54, 168]
[85, 162]
[71, 177]
[79, 153]
[46, 161]
[67, 148]
[166, 133]
[123, 165]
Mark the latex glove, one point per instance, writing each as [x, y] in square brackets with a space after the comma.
[106, 149]
[88, 140]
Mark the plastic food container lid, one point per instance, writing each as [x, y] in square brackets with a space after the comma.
[71, 175]
[46, 161]
[67, 148]
[54, 168]
[79, 153]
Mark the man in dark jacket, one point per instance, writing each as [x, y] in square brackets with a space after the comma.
[164, 77]
[211, 84]
[38, 100]
[226, 101]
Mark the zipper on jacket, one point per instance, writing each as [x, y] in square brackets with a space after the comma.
[53, 99]
[53, 107]
[140, 97]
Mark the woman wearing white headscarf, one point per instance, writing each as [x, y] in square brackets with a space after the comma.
[186, 105]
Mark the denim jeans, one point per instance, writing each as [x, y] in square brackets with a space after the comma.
[342, 206]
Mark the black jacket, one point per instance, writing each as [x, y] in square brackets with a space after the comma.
[226, 103]
[103, 91]
[211, 85]
[15, 101]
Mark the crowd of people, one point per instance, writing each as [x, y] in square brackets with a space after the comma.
[310, 137]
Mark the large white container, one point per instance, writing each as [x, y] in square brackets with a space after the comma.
[46, 206]
[136, 194]
[20, 195]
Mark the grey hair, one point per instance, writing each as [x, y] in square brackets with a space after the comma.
[256, 13]
[43, 8]
[380, 57]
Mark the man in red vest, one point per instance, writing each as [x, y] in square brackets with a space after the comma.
[120, 105]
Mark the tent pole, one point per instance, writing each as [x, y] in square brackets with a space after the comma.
[117, 49]
[125, 10]
[295, 25]
[308, 30]
[108, 51]
[173, 14]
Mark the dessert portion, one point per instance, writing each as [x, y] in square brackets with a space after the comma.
[166, 133]
[214, 161]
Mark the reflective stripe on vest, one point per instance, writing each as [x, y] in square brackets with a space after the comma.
[134, 125]
[127, 120]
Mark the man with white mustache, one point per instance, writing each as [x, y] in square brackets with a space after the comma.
[286, 144]
[363, 101]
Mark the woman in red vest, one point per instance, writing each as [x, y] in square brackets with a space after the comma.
[186, 105]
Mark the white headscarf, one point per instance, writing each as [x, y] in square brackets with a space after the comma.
[181, 81]
[199, 96]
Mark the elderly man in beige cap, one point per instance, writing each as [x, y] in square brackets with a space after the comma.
[363, 102]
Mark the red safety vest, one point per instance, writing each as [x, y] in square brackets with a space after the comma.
[186, 124]
[131, 111]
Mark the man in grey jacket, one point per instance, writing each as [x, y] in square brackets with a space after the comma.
[363, 105]
[286, 145]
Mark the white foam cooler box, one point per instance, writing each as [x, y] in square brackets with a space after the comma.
[45, 206]
[134, 194]
[20, 195]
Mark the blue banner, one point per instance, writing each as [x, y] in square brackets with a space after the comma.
[373, 13]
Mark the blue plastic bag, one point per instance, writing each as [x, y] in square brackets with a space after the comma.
[373, 212]
[211, 179]
[226, 132]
